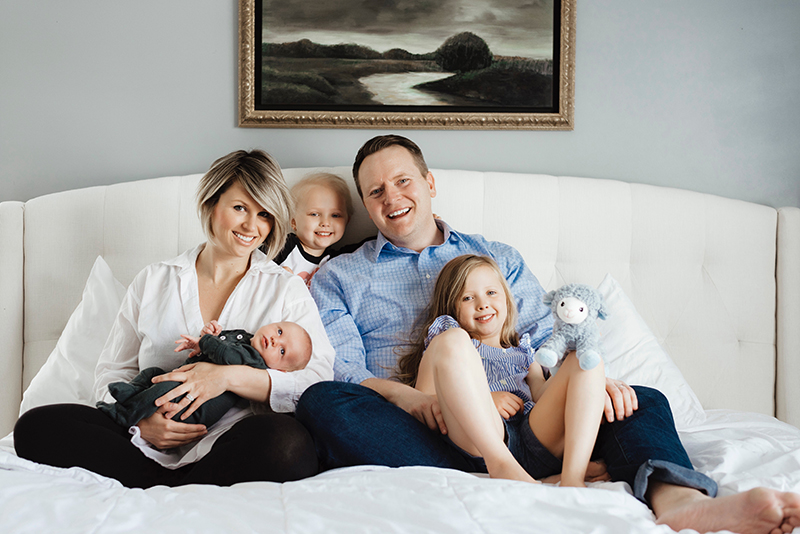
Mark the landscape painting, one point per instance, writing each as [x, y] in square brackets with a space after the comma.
[407, 63]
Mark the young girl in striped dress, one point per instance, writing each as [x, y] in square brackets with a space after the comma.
[495, 399]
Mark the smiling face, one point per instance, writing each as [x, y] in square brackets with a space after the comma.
[398, 198]
[482, 306]
[320, 219]
[284, 346]
[239, 225]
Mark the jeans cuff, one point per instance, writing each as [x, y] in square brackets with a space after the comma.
[671, 473]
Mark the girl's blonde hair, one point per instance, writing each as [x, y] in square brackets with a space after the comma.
[445, 301]
[260, 175]
[331, 181]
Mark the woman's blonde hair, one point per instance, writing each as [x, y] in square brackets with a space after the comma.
[445, 301]
[332, 181]
[260, 175]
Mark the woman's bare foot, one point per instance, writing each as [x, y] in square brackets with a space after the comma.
[758, 511]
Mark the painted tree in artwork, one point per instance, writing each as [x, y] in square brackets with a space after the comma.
[464, 52]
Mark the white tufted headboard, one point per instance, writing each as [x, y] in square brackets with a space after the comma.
[717, 280]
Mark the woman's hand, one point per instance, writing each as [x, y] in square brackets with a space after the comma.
[507, 404]
[164, 433]
[200, 382]
[621, 400]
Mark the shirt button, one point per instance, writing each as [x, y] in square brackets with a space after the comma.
[427, 276]
[239, 336]
[222, 338]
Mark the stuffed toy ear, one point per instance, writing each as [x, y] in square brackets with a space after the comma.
[602, 311]
[548, 298]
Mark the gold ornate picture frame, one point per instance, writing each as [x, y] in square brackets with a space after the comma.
[304, 83]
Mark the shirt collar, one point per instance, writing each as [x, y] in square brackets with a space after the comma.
[382, 243]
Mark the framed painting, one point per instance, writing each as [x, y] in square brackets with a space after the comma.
[416, 64]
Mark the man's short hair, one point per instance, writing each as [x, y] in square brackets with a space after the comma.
[380, 142]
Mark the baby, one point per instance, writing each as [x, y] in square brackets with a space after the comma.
[284, 346]
[323, 208]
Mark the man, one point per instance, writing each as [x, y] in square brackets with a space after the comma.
[370, 300]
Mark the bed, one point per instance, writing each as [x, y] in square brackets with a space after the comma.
[704, 297]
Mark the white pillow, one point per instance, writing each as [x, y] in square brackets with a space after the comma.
[633, 354]
[68, 373]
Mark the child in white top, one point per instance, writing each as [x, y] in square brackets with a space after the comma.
[489, 388]
[323, 208]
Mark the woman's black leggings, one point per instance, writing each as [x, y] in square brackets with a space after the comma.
[270, 447]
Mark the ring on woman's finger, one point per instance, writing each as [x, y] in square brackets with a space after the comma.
[190, 397]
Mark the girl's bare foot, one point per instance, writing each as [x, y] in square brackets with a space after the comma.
[510, 470]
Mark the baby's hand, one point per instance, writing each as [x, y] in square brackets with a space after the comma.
[189, 343]
[212, 327]
[507, 404]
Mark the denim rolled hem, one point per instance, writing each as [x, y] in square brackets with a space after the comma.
[670, 473]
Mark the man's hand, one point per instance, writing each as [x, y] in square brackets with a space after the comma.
[424, 407]
[507, 404]
[621, 400]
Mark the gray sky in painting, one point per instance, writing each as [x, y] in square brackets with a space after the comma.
[510, 27]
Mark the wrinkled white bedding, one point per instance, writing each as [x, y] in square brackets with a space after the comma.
[739, 450]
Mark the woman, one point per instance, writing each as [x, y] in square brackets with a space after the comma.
[243, 202]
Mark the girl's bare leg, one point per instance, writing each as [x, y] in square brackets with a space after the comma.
[567, 417]
[451, 369]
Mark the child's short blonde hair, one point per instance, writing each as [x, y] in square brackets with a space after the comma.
[326, 179]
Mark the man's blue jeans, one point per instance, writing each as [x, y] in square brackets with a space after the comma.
[354, 425]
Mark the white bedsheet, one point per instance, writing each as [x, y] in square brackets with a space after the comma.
[739, 450]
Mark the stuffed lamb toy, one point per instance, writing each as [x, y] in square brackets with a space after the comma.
[577, 307]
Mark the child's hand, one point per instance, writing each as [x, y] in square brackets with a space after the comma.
[189, 343]
[288, 269]
[212, 327]
[507, 404]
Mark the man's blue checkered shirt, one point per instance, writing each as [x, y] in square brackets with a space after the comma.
[371, 299]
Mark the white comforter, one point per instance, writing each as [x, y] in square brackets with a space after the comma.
[738, 450]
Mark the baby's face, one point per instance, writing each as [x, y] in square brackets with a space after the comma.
[284, 346]
[320, 219]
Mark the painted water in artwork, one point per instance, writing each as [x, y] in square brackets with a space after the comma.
[356, 54]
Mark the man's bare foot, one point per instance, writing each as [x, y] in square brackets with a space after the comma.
[758, 511]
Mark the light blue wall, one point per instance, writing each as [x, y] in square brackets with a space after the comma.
[697, 94]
